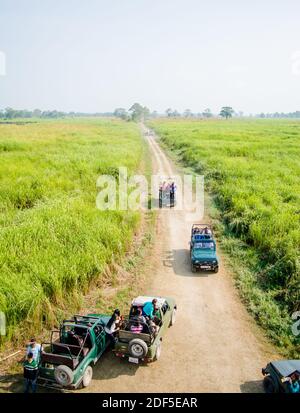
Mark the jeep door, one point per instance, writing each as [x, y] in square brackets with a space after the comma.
[100, 339]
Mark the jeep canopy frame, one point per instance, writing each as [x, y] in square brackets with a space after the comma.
[201, 227]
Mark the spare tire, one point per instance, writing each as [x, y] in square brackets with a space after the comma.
[138, 348]
[64, 375]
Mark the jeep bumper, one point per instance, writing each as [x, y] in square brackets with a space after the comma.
[205, 266]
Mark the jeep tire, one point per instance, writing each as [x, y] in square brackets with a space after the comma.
[137, 348]
[64, 375]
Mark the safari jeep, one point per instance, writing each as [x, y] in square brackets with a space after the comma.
[145, 346]
[167, 198]
[204, 256]
[200, 232]
[67, 360]
[275, 374]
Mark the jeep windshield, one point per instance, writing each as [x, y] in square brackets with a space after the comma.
[204, 246]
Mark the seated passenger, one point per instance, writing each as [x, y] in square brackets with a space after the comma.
[207, 231]
[136, 327]
[138, 316]
[293, 382]
[148, 308]
[157, 316]
[153, 327]
[137, 322]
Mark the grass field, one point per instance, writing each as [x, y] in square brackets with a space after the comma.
[53, 240]
[252, 169]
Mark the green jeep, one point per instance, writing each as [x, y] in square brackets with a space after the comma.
[138, 342]
[67, 360]
[276, 373]
[204, 256]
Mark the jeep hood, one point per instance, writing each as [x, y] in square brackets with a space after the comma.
[286, 367]
[204, 254]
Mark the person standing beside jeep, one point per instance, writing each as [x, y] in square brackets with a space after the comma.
[34, 348]
[112, 327]
[30, 373]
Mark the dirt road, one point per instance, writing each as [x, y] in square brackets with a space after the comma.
[214, 346]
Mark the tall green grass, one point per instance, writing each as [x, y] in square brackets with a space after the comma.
[253, 170]
[53, 240]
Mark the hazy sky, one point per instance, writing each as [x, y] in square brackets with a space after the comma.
[96, 55]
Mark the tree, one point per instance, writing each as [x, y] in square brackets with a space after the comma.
[121, 113]
[37, 113]
[172, 113]
[187, 113]
[9, 113]
[169, 112]
[207, 113]
[146, 112]
[226, 112]
[139, 112]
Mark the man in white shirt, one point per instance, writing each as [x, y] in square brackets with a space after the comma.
[34, 348]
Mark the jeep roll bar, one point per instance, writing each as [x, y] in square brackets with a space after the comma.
[51, 347]
[200, 226]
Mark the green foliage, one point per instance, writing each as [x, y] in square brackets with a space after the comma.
[139, 112]
[253, 170]
[226, 112]
[53, 240]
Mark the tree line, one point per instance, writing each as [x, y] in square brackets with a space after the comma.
[138, 112]
[279, 115]
[10, 113]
